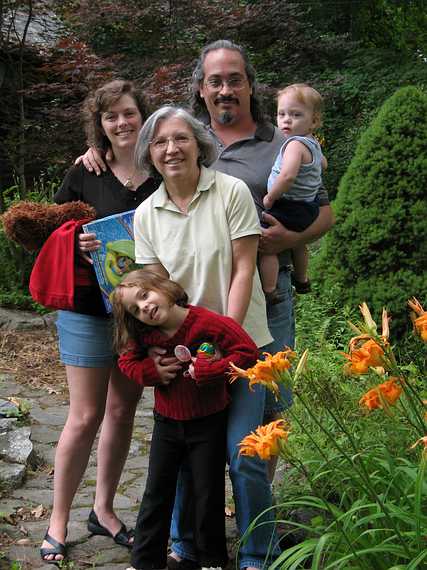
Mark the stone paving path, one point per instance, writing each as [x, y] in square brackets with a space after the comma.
[47, 417]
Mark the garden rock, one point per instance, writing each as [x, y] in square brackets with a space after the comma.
[24, 320]
[16, 446]
[11, 474]
[8, 410]
[16, 453]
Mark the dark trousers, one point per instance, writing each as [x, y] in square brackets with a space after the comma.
[202, 444]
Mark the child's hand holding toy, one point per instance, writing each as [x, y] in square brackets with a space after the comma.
[205, 350]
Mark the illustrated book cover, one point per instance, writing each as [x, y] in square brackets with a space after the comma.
[116, 256]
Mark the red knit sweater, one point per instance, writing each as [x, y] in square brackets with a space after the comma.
[185, 398]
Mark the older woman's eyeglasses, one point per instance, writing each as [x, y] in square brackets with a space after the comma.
[217, 83]
[162, 143]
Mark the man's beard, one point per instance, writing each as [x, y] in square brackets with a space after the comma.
[226, 118]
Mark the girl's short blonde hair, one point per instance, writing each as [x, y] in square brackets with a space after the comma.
[126, 327]
[307, 96]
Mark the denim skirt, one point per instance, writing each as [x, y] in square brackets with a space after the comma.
[85, 340]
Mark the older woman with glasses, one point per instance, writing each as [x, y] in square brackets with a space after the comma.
[200, 228]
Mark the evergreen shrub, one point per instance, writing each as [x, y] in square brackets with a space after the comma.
[377, 250]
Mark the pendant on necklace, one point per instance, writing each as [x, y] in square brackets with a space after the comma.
[128, 183]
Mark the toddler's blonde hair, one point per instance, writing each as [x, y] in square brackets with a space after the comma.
[307, 96]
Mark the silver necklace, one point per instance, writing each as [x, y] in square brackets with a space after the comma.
[129, 182]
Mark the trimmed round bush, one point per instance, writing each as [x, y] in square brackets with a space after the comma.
[377, 250]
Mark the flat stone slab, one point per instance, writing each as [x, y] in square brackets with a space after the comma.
[8, 409]
[25, 320]
[8, 386]
[49, 416]
[45, 434]
[16, 446]
[34, 497]
[11, 474]
[7, 423]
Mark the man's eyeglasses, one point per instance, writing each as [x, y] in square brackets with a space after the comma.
[161, 143]
[217, 83]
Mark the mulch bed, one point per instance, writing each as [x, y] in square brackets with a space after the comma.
[32, 358]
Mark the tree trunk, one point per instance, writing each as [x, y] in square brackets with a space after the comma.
[22, 126]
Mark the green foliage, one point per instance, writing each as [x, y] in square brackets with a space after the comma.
[322, 328]
[355, 531]
[354, 493]
[15, 262]
[397, 24]
[371, 253]
[322, 321]
[354, 91]
[21, 410]
[14, 274]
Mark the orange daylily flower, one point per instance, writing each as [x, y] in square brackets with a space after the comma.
[391, 390]
[366, 350]
[386, 393]
[368, 355]
[371, 400]
[420, 322]
[269, 372]
[264, 441]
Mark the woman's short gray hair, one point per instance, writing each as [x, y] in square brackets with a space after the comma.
[207, 148]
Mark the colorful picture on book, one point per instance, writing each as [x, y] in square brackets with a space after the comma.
[116, 256]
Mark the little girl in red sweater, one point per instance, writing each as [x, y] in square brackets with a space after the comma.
[190, 409]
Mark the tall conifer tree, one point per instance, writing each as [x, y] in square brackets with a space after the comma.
[377, 250]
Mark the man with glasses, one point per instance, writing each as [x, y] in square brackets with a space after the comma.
[225, 97]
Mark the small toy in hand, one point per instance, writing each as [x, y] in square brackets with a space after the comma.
[183, 354]
[206, 350]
